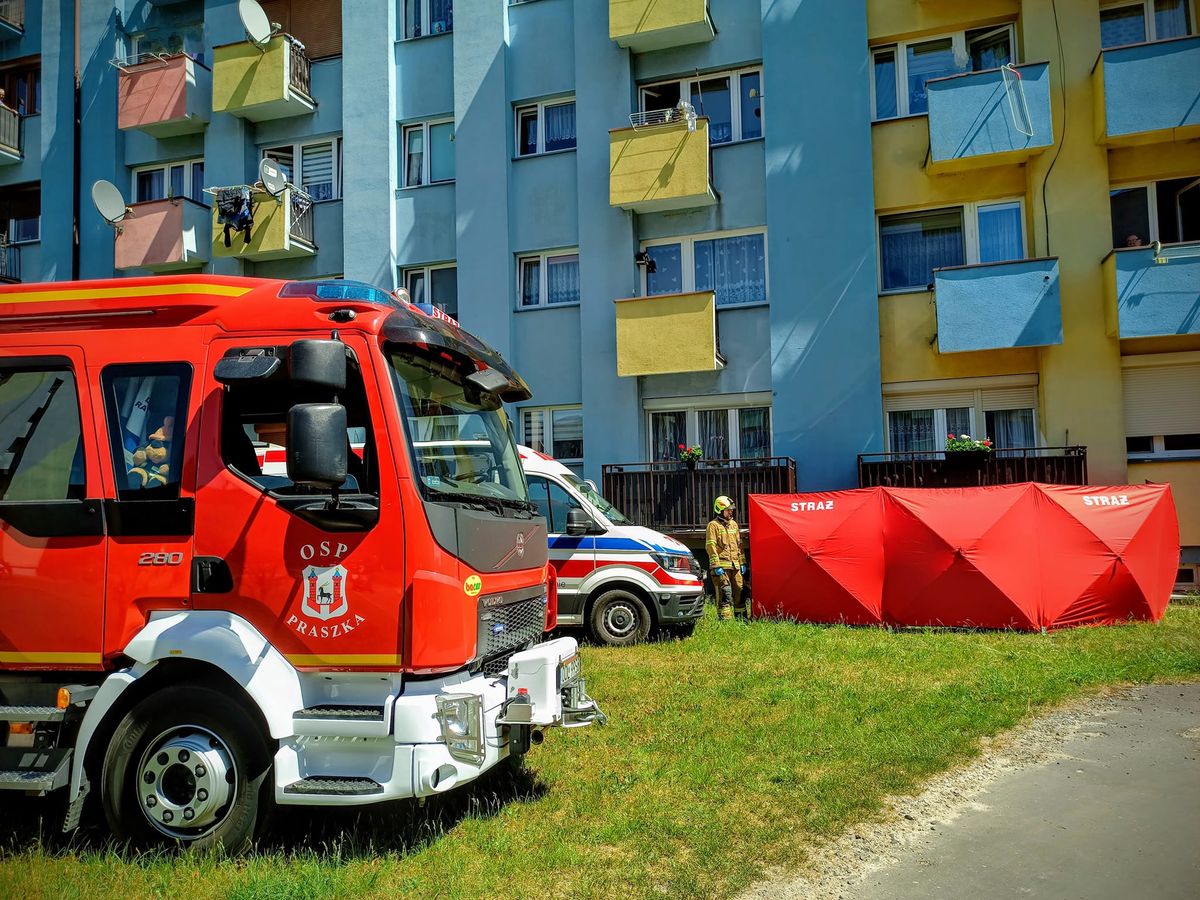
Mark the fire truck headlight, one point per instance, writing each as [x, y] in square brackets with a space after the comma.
[461, 719]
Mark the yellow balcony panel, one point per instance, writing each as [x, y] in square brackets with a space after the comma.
[163, 96]
[644, 25]
[657, 168]
[262, 83]
[163, 235]
[668, 333]
[282, 229]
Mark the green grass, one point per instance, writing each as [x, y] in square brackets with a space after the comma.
[727, 753]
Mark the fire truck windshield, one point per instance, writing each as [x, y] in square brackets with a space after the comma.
[459, 435]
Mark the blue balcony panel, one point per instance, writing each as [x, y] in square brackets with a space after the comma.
[997, 306]
[1155, 296]
[1148, 93]
[975, 120]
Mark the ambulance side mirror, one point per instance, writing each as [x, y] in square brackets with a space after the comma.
[317, 449]
[578, 522]
[319, 363]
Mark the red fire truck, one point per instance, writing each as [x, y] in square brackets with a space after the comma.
[186, 639]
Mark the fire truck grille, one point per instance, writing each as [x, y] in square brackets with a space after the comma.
[503, 630]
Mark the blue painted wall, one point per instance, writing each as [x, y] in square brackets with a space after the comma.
[997, 306]
[1156, 299]
[1151, 87]
[971, 116]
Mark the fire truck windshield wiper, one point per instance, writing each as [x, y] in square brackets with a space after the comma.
[491, 504]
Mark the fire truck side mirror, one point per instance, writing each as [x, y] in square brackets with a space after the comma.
[317, 449]
[319, 363]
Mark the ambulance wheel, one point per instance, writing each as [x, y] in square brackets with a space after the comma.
[619, 618]
[187, 767]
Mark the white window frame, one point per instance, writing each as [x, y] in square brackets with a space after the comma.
[425, 272]
[192, 33]
[979, 388]
[958, 45]
[691, 408]
[1147, 16]
[547, 414]
[425, 26]
[1158, 451]
[543, 258]
[165, 168]
[970, 216]
[427, 157]
[12, 229]
[687, 260]
[735, 98]
[539, 107]
[297, 150]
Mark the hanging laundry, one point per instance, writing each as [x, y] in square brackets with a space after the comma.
[234, 211]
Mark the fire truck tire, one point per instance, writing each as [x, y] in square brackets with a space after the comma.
[186, 766]
[619, 618]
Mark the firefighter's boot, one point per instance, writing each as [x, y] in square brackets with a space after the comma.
[724, 592]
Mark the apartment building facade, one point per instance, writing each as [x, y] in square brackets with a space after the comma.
[809, 230]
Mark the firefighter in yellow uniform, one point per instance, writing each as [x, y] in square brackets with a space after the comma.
[723, 543]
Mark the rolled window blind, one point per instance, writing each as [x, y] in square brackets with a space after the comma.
[1162, 400]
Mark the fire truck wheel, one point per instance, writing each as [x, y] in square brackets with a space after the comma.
[620, 618]
[187, 766]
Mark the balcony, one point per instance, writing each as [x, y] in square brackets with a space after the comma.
[1048, 465]
[12, 19]
[163, 235]
[669, 497]
[990, 118]
[661, 165]
[10, 136]
[644, 25]
[281, 228]
[668, 333]
[163, 96]
[1148, 93]
[10, 263]
[1153, 296]
[997, 306]
[262, 83]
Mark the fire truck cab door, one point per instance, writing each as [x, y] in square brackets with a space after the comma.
[52, 545]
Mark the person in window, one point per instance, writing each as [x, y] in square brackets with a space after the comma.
[3, 101]
[1134, 240]
[723, 543]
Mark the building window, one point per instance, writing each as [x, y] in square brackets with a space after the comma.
[1167, 211]
[187, 39]
[426, 17]
[1146, 20]
[545, 127]
[734, 266]
[1161, 408]
[548, 279]
[21, 213]
[435, 285]
[920, 422]
[899, 71]
[729, 428]
[317, 25]
[912, 245]
[556, 431]
[732, 101]
[21, 83]
[162, 182]
[429, 153]
[315, 168]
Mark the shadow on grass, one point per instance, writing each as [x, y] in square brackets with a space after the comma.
[330, 833]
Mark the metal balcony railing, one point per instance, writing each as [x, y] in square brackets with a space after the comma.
[683, 112]
[10, 130]
[669, 497]
[299, 68]
[302, 215]
[13, 12]
[939, 469]
[10, 263]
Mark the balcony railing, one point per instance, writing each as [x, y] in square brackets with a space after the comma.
[1146, 93]
[10, 135]
[938, 469]
[10, 263]
[279, 227]
[299, 68]
[1153, 295]
[669, 497]
[12, 16]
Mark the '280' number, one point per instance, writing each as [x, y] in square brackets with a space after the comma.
[160, 559]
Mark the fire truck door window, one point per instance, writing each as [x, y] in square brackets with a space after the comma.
[41, 448]
[147, 421]
[552, 501]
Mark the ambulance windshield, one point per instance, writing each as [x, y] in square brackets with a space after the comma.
[461, 444]
[597, 500]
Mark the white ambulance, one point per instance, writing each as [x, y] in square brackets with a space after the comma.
[619, 580]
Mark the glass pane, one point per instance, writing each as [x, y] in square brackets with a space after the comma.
[527, 138]
[754, 427]
[1000, 232]
[566, 429]
[176, 181]
[441, 16]
[443, 287]
[414, 143]
[27, 229]
[415, 282]
[151, 186]
[531, 274]
[197, 193]
[1170, 19]
[533, 429]
[562, 278]
[539, 493]
[932, 59]
[147, 409]
[751, 100]
[912, 430]
[560, 504]
[41, 452]
[560, 127]
[1126, 25]
[316, 168]
[441, 152]
[667, 277]
[284, 159]
[660, 96]
[711, 98]
[958, 420]
[911, 246]
[734, 267]
[885, 84]
[412, 18]
[1130, 208]
[1010, 428]
[989, 48]
[1181, 441]
[667, 431]
[714, 433]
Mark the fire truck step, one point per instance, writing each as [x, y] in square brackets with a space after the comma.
[337, 785]
[27, 769]
[342, 713]
[31, 714]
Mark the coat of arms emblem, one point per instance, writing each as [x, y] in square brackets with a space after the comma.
[325, 592]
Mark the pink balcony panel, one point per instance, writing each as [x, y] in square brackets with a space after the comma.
[162, 235]
[164, 96]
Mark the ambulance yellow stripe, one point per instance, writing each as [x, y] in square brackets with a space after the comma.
[50, 658]
[118, 293]
[347, 659]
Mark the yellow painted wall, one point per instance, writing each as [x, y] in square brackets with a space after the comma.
[245, 76]
[268, 235]
[889, 20]
[1154, 163]
[658, 165]
[1184, 478]
[689, 319]
[629, 17]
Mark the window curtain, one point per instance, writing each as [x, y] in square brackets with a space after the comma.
[150, 186]
[667, 277]
[562, 279]
[560, 127]
[531, 275]
[1170, 19]
[197, 193]
[667, 431]
[416, 157]
[1000, 233]
[1011, 428]
[1126, 25]
[933, 59]
[714, 433]
[989, 50]
[316, 168]
[912, 431]
[958, 420]
[533, 429]
[912, 246]
[734, 267]
[885, 84]
[754, 425]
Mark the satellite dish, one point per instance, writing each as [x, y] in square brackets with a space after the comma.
[109, 202]
[274, 181]
[255, 21]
